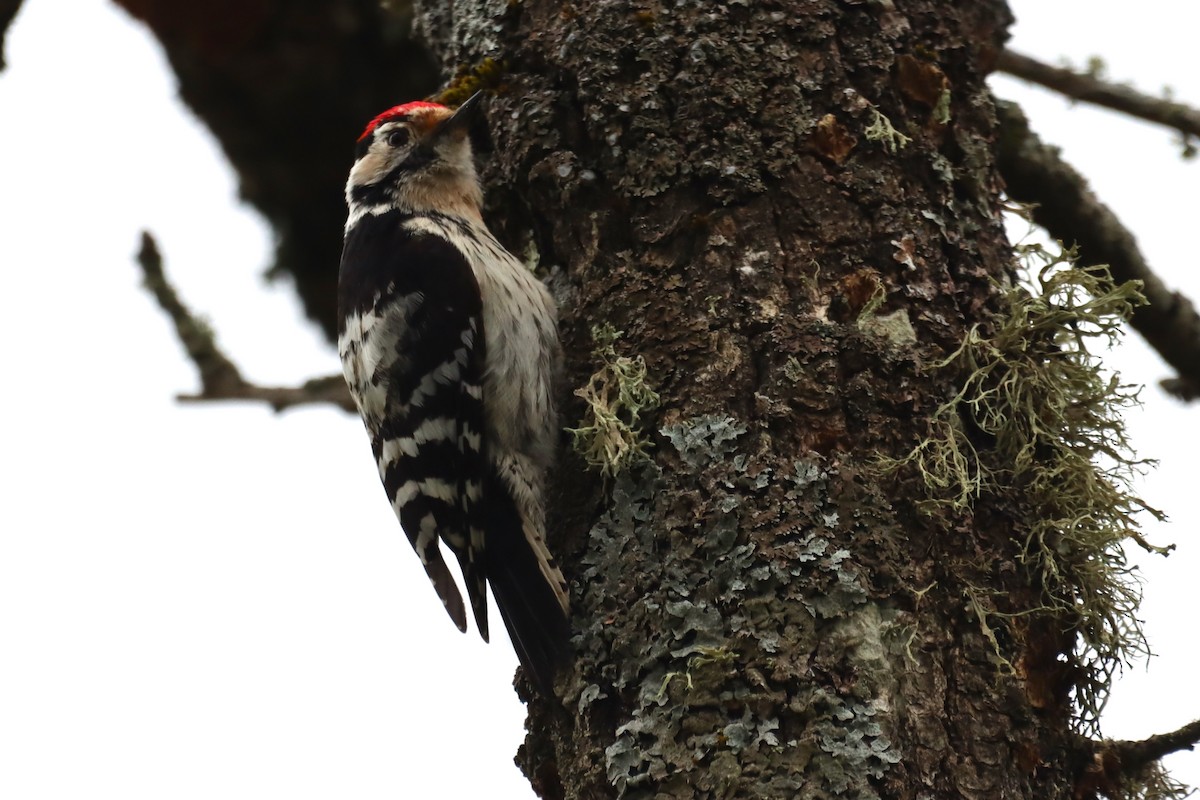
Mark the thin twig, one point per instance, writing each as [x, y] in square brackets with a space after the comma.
[219, 378]
[1090, 89]
[1066, 207]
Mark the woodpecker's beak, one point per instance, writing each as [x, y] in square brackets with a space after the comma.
[455, 126]
[463, 118]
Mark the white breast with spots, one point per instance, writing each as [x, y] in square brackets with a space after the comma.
[520, 331]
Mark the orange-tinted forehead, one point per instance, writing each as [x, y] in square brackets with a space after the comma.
[415, 108]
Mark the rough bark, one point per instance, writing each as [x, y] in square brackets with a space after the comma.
[286, 86]
[790, 211]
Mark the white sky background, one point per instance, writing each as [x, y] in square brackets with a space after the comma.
[215, 601]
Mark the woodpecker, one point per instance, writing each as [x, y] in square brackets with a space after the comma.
[449, 345]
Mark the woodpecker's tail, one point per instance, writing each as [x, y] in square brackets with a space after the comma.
[532, 604]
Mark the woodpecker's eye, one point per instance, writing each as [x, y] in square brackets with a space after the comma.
[398, 137]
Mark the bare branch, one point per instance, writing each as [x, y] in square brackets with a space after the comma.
[218, 375]
[1066, 207]
[219, 378]
[8, 10]
[1089, 89]
[1135, 755]
[330, 389]
[1111, 768]
[1187, 391]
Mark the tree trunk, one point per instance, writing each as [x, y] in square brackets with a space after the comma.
[791, 212]
[833, 519]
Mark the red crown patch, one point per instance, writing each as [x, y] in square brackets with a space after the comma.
[396, 111]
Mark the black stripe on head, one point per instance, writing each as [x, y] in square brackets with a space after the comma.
[420, 157]
[373, 194]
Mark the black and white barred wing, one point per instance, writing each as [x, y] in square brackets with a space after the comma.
[422, 405]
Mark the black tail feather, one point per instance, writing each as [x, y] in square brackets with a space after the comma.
[536, 623]
[475, 578]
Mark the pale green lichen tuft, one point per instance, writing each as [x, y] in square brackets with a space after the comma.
[896, 327]
[792, 369]
[941, 111]
[617, 396]
[1048, 421]
[875, 301]
[882, 131]
[531, 257]
[1154, 783]
[700, 658]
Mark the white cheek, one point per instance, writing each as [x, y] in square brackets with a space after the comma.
[371, 168]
